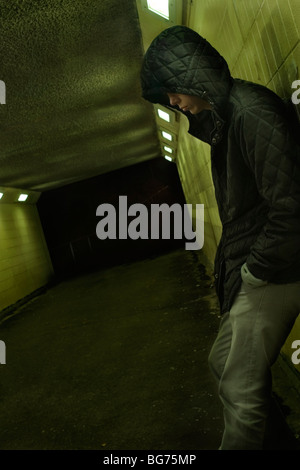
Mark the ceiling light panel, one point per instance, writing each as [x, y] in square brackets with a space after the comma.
[163, 115]
[163, 13]
[160, 7]
[167, 136]
[22, 197]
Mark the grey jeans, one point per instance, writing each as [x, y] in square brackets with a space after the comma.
[249, 340]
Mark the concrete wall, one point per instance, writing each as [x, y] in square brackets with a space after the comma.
[260, 41]
[24, 260]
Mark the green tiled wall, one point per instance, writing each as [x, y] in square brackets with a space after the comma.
[260, 41]
[25, 265]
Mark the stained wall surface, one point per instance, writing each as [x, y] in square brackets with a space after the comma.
[260, 42]
[25, 264]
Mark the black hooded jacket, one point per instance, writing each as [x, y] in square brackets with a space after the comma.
[255, 157]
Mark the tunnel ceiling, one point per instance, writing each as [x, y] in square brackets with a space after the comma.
[73, 106]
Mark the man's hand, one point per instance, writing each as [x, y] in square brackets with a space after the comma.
[249, 279]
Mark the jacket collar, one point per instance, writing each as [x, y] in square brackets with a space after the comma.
[207, 126]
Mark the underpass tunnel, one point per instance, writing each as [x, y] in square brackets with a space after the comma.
[106, 324]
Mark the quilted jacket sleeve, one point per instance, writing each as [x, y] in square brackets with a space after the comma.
[273, 156]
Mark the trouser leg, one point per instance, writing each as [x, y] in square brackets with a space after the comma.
[249, 341]
[221, 347]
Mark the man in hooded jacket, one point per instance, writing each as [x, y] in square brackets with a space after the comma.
[255, 161]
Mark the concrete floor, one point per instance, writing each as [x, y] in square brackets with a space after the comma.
[116, 359]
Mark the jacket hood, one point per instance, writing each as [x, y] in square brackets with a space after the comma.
[179, 60]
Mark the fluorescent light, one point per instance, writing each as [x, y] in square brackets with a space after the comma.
[1, 195]
[163, 115]
[23, 197]
[168, 158]
[160, 7]
[167, 136]
[168, 149]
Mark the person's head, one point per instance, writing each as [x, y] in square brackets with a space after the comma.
[181, 69]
